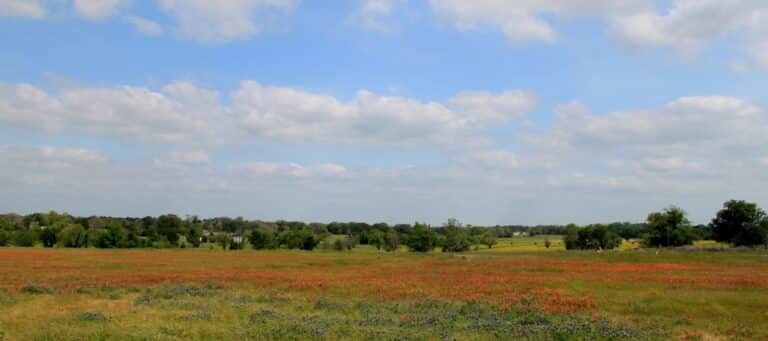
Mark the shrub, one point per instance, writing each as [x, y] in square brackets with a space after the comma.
[25, 238]
[391, 241]
[456, 239]
[593, 237]
[73, 236]
[48, 237]
[488, 239]
[5, 238]
[740, 223]
[299, 238]
[262, 239]
[669, 228]
[421, 238]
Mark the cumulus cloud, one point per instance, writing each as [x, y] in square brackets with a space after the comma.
[490, 108]
[219, 21]
[689, 145]
[32, 9]
[98, 9]
[524, 20]
[144, 26]
[194, 157]
[182, 112]
[124, 111]
[375, 15]
[686, 25]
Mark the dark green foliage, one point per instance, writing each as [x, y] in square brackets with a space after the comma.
[169, 226]
[421, 238]
[669, 228]
[593, 237]
[299, 238]
[740, 223]
[391, 241]
[48, 237]
[73, 236]
[25, 238]
[109, 237]
[5, 238]
[262, 239]
[456, 238]
[194, 236]
[488, 239]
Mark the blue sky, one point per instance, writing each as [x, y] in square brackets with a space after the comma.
[491, 111]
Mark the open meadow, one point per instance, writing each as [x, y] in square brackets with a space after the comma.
[517, 289]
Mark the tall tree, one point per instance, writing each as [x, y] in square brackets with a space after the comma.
[740, 223]
[669, 227]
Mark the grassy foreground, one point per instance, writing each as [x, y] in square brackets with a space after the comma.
[503, 293]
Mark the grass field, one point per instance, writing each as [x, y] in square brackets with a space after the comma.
[517, 289]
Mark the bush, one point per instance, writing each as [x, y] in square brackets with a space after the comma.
[299, 238]
[73, 236]
[456, 239]
[25, 238]
[488, 239]
[391, 241]
[741, 223]
[593, 237]
[5, 238]
[421, 238]
[669, 228]
[262, 239]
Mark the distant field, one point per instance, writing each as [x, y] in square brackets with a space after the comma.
[530, 291]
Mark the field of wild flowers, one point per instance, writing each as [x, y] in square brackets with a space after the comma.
[486, 294]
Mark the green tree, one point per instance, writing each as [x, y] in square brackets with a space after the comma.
[74, 236]
[5, 238]
[456, 238]
[25, 238]
[593, 237]
[571, 238]
[48, 236]
[421, 238]
[169, 226]
[299, 238]
[488, 239]
[262, 238]
[195, 235]
[391, 241]
[669, 227]
[376, 238]
[740, 223]
[111, 236]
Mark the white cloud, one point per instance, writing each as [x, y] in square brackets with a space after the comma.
[293, 170]
[492, 159]
[369, 119]
[98, 9]
[144, 26]
[680, 122]
[524, 20]
[685, 26]
[195, 157]
[125, 111]
[185, 113]
[22, 8]
[218, 21]
[489, 108]
[375, 14]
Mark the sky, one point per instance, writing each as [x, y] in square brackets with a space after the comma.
[488, 111]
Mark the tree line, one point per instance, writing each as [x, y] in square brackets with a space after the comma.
[739, 223]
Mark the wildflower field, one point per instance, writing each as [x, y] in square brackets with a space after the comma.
[366, 294]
